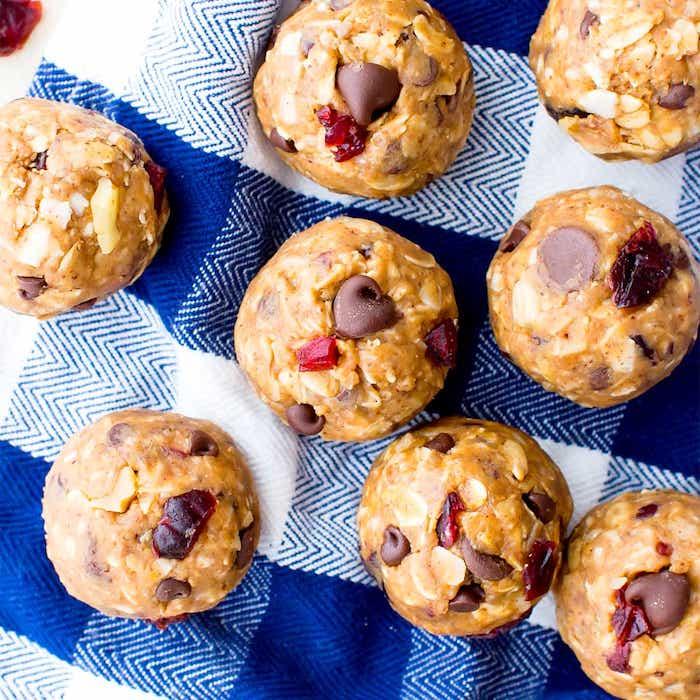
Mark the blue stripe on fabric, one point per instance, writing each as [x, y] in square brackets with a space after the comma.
[567, 681]
[34, 603]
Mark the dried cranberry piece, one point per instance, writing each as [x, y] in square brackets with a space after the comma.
[619, 659]
[342, 133]
[664, 549]
[628, 622]
[318, 354]
[157, 175]
[539, 568]
[17, 21]
[447, 528]
[641, 269]
[646, 511]
[182, 522]
[442, 344]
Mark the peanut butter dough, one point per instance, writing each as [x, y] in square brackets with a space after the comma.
[628, 603]
[82, 207]
[150, 515]
[462, 522]
[366, 97]
[349, 330]
[621, 77]
[594, 295]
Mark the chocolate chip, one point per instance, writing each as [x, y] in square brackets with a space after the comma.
[600, 378]
[569, 258]
[85, 305]
[558, 114]
[340, 4]
[395, 546]
[647, 351]
[394, 161]
[366, 250]
[487, 567]
[514, 237]
[541, 505]
[31, 287]
[278, 141]
[418, 68]
[368, 89]
[589, 19]
[306, 46]
[360, 308]
[39, 161]
[664, 596]
[171, 588]
[202, 444]
[302, 418]
[468, 598]
[441, 443]
[118, 433]
[677, 96]
[245, 553]
[646, 511]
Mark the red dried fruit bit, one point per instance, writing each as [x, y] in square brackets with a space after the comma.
[318, 354]
[442, 344]
[628, 622]
[641, 269]
[157, 175]
[646, 511]
[342, 133]
[664, 549]
[447, 528]
[182, 522]
[17, 21]
[619, 659]
[162, 623]
[539, 568]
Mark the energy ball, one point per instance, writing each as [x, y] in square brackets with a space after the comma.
[348, 331]
[367, 97]
[594, 295]
[628, 603]
[82, 210]
[150, 515]
[462, 523]
[622, 78]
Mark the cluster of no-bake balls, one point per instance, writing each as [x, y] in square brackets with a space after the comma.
[350, 330]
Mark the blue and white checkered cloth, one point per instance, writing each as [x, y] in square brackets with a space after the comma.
[306, 622]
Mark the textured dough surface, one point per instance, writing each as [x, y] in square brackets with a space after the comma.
[604, 69]
[416, 140]
[382, 379]
[105, 495]
[76, 207]
[608, 548]
[491, 466]
[567, 341]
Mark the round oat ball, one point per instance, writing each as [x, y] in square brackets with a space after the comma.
[348, 331]
[150, 515]
[83, 207]
[628, 603]
[621, 77]
[367, 97]
[462, 523]
[594, 295]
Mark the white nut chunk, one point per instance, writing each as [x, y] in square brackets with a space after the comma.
[122, 494]
[105, 210]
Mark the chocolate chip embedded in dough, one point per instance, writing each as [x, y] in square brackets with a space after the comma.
[441, 443]
[85, 305]
[514, 237]
[664, 596]
[31, 287]
[39, 161]
[303, 418]
[647, 351]
[118, 433]
[340, 4]
[278, 141]
[541, 505]
[395, 546]
[487, 567]
[569, 258]
[360, 308]
[202, 444]
[306, 46]
[677, 96]
[562, 113]
[368, 89]
[589, 19]
[171, 588]
[468, 598]
[600, 378]
[646, 511]
[247, 550]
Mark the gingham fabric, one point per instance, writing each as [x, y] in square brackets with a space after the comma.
[306, 622]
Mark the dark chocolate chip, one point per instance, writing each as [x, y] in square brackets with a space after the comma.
[302, 418]
[514, 237]
[589, 19]
[31, 287]
[245, 554]
[171, 588]
[39, 161]
[558, 114]
[202, 444]
[468, 598]
[541, 505]
[569, 257]
[419, 69]
[600, 378]
[442, 442]
[366, 250]
[664, 596]
[677, 96]
[368, 89]
[118, 433]
[278, 141]
[641, 343]
[487, 567]
[395, 546]
[85, 305]
[394, 161]
[646, 511]
[360, 308]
